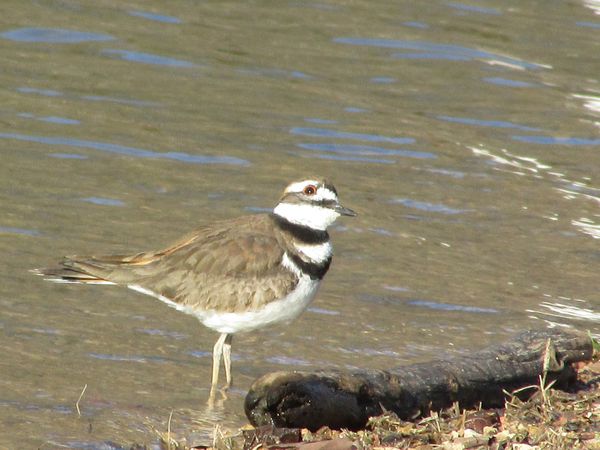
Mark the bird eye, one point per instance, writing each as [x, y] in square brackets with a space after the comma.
[310, 190]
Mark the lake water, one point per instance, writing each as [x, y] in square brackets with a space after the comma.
[466, 136]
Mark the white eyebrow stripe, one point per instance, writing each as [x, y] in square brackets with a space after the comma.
[298, 186]
[323, 192]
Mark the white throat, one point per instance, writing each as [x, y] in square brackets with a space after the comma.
[311, 216]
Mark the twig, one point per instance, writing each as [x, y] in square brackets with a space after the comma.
[169, 430]
[79, 399]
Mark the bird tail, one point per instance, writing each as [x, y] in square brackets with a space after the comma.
[69, 272]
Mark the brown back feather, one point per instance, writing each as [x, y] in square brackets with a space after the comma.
[230, 265]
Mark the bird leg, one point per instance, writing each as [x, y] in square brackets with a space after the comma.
[227, 359]
[217, 352]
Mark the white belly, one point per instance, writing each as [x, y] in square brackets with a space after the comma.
[284, 310]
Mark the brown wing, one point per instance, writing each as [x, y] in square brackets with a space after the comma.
[232, 265]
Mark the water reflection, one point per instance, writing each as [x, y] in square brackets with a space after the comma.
[591, 102]
[415, 24]
[451, 173]
[50, 119]
[383, 80]
[355, 109]
[320, 121]
[288, 361]
[148, 58]
[123, 101]
[451, 307]
[158, 332]
[46, 92]
[588, 226]
[486, 123]
[325, 132]
[588, 24]
[348, 158]
[103, 201]
[67, 156]
[327, 312]
[564, 307]
[509, 82]
[553, 140]
[154, 16]
[94, 98]
[366, 150]
[124, 150]
[23, 231]
[472, 8]
[433, 50]
[274, 73]
[127, 358]
[429, 207]
[54, 36]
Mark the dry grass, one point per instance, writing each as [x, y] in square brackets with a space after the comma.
[548, 419]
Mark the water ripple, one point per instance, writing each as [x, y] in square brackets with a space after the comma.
[588, 24]
[431, 55]
[425, 206]
[287, 361]
[23, 231]
[123, 101]
[103, 201]
[551, 140]
[327, 312]
[348, 158]
[94, 98]
[320, 121]
[355, 109]
[128, 358]
[450, 307]
[451, 173]
[153, 16]
[383, 80]
[67, 156]
[486, 123]
[365, 150]
[50, 119]
[434, 50]
[164, 333]
[147, 58]
[472, 8]
[508, 82]
[414, 24]
[274, 73]
[128, 151]
[46, 92]
[325, 132]
[54, 36]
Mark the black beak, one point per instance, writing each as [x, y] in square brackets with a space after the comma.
[343, 211]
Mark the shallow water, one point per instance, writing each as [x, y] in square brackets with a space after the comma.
[466, 135]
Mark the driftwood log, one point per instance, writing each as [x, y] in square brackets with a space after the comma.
[340, 399]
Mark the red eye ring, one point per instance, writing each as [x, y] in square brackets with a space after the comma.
[310, 190]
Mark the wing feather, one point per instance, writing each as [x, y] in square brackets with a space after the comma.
[232, 265]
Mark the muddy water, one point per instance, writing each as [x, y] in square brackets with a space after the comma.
[466, 135]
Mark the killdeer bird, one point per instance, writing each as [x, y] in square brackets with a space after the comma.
[234, 275]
